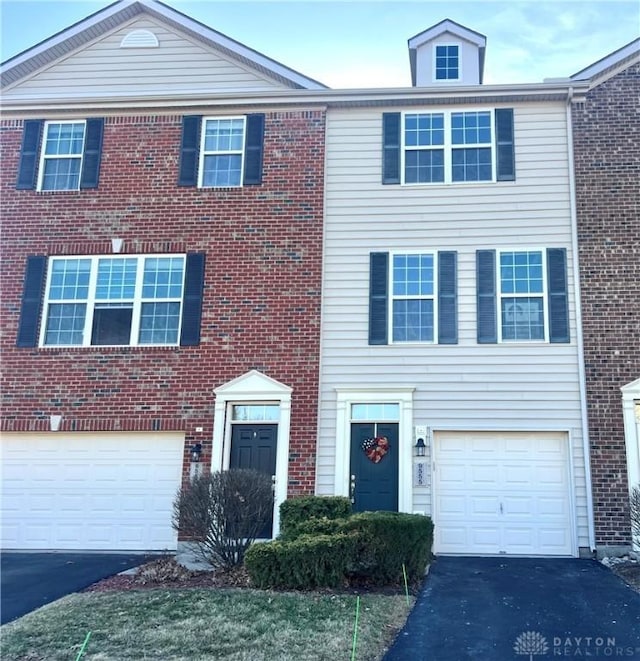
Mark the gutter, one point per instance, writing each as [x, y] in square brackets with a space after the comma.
[579, 341]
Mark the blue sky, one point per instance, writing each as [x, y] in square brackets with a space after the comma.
[364, 43]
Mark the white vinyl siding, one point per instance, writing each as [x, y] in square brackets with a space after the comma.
[180, 64]
[524, 386]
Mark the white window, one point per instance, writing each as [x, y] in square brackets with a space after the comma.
[61, 156]
[222, 151]
[107, 300]
[522, 295]
[447, 62]
[446, 147]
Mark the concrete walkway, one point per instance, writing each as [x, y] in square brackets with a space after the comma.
[510, 609]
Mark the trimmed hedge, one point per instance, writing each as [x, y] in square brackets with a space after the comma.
[323, 552]
[310, 561]
[297, 511]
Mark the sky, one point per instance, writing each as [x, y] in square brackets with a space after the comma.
[363, 43]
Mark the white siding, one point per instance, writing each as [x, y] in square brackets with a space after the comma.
[179, 64]
[516, 386]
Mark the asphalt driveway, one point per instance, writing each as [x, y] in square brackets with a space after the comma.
[499, 609]
[30, 580]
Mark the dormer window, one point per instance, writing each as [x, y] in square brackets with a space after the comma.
[447, 62]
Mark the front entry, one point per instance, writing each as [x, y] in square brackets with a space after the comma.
[374, 466]
[254, 446]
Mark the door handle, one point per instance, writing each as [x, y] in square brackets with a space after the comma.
[352, 489]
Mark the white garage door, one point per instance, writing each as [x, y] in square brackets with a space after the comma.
[89, 491]
[502, 493]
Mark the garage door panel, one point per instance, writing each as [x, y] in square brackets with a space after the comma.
[510, 493]
[90, 491]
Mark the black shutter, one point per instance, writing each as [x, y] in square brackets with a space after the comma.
[192, 304]
[378, 297]
[558, 295]
[34, 279]
[253, 150]
[92, 153]
[31, 136]
[486, 299]
[189, 150]
[505, 150]
[447, 298]
[391, 122]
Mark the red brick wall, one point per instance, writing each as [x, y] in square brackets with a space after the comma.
[607, 157]
[261, 305]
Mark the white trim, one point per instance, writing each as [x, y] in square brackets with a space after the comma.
[453, 28]
[401, 395]
[253, 387]
[231, 152]
[59, 157]
[434, 68]
[631, 399]
[608, 61]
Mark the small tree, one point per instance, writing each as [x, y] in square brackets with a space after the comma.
[634, 507]
[223, 513]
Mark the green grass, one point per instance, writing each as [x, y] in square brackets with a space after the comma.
[200, 624]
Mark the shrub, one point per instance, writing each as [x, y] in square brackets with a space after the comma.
[223, 513]
[304, 563]
[296, 511]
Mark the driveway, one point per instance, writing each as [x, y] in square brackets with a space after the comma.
[499, 609]
[30, 580]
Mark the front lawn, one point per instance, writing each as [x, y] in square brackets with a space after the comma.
[192, 624]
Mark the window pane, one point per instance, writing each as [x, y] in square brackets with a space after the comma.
[521, 273]
[447, 63]
[224, 135]
[163, 277]
[69, 279]
[159, 323]
[471, 164]
[424, 130]
[61, 174]
[256, 412]
[522, 318]
[413, 275]
[375, 412]
[116, 278]
[112, 324]
[424, 166]
[65, 324]
[64, 139]
[413, 320]
[222, 170]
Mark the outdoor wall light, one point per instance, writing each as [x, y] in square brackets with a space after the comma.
[196, 451]
[420, 447]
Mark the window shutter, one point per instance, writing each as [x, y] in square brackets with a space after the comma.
[253, 150]
[486, 301]
[378, 297]
[92, 153]
[189, 150]
[31, 136]
[447, 298]
[391, 147]
[34, 278]
[505, 150]
[558, 295]
[192, 304]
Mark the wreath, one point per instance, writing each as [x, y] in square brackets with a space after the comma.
[376, 448]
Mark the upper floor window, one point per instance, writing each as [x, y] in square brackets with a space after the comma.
[445, 147]
[221, 152]
[413, 298]
[60, 155]
[447, 62]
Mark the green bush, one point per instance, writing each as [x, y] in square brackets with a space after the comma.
[304, 563]
[297, 511]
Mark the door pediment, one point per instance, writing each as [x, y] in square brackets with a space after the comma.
[254, 384]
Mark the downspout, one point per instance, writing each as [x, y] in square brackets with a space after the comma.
[579, 341]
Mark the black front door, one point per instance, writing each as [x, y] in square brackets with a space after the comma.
[254, 446]
[376, 482]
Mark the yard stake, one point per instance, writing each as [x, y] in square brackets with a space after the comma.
[355, 630]
[84, 645]
[406, 587]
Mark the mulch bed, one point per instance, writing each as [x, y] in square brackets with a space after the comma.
[629, 572]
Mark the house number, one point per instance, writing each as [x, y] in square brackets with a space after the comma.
[420, 474]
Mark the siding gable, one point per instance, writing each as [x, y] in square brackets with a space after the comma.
[179, 65]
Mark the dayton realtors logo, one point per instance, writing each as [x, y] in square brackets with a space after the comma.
[532, 644]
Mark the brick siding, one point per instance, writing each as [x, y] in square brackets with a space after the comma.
[607, 161]
[261, 307]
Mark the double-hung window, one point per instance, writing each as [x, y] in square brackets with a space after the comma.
[222, 152]
[413, 297]
[61, 159]
[133, 300]
[447, 62]
[445, 147]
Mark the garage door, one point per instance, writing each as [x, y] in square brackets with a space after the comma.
[90, 491]
[502, 493]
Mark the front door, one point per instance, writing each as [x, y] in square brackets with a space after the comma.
[254, 446]
[374, 466]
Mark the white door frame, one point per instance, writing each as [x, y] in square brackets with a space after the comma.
[401, 395]
[631, 396]
[254, 387]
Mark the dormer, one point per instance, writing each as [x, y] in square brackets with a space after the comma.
[447, 54]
